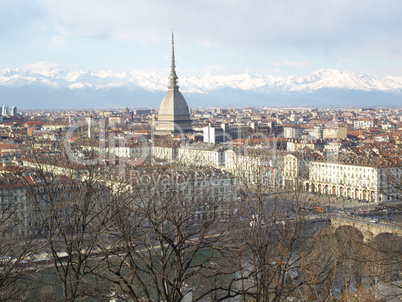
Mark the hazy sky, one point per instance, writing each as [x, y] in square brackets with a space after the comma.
[278, 37]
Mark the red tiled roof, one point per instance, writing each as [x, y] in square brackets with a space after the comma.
[7, 146]
[34, 123]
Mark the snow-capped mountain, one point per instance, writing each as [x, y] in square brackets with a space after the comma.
[44, 87]
[316, 80]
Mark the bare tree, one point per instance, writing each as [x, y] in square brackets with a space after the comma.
[273, 229]
[382, 263]
[16, 247]
[70, 205]
[169, 238]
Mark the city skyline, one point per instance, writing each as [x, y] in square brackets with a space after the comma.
[267, 168]
[224, 37]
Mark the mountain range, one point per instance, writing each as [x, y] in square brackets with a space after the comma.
[54, 88]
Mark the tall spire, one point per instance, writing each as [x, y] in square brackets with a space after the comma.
[173, 114]
[173, 76]
[173, 62]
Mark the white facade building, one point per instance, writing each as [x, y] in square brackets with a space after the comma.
[317, 132]
[13, 111]
[363, 124]
[296, 170]
[253, 166]
[292, 132]
[213, 135]
[355, 181]
[4, 110]
[206, 156]
[335, 132]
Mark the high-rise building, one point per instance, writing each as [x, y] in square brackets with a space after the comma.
[13, 111]
[317, 132]
[292, 132]
[4, 110]
[173, 114]
[90, 122]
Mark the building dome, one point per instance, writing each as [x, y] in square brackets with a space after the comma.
[173, 114]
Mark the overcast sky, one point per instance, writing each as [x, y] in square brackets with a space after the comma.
[278, 37]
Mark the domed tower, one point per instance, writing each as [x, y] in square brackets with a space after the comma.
[173, 114]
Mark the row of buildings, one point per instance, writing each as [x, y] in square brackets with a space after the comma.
[370, 177]
[352, 172]
[38, 190]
